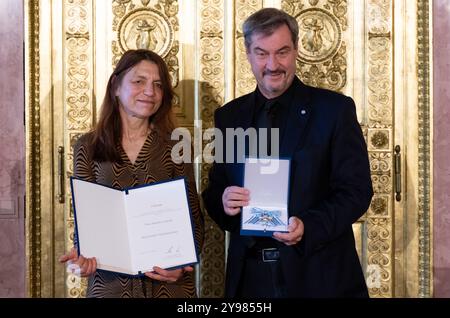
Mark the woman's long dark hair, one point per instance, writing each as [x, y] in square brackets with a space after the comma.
[107, 133]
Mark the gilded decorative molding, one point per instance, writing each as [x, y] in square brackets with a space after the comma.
[379, 249]
[145, 28]
[322, 59]
[339, 8]
[381, 163]
[424, 150]
[293, 7]
[33, 164]
[79, 104]
[381, 168]
[320, 37]
[379, 84]
[379, 207]
[76, 286]
[245, 81]
[243, 9]
[379, 16]
[211, 96]
[211, 75]
[79, 114]
[379, 141]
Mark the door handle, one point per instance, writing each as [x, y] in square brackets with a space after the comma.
[60, 194]
[398, 173]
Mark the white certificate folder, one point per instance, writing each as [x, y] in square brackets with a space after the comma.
[268, 182]
[132, 230]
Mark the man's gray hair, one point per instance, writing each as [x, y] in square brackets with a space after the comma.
[266, 21]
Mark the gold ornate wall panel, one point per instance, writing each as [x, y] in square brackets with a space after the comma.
[346, 46]
[425, 152]
[78, 99]
[211, 95]
[33, 166]
[379, 139]
[245, 81]
[322, 59]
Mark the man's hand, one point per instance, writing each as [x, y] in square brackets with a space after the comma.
[295, 234]
[233, 198]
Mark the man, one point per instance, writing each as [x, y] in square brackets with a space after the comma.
[330, 184]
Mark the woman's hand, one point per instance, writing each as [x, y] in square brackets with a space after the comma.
[170, 276]
[79, 265]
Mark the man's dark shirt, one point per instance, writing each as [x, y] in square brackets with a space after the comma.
[279, 115]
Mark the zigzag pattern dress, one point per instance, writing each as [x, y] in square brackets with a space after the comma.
[153, 164]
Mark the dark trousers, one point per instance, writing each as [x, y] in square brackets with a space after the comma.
[261, 279]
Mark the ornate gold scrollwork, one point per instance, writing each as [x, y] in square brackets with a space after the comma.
[78, 95]
[320, 35]
[211, 96]
[425, 192]
[380, 123]
[322, 59]
[145, 28]
[245, 81]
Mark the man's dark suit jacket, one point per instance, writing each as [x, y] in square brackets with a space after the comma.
[330, 188]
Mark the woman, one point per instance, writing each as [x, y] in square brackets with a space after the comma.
[130, 146]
